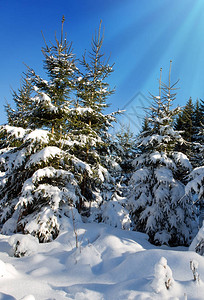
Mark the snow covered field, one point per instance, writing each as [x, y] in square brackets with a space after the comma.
[109, 264]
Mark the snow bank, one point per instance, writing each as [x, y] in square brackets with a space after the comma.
[7, 270]
[108, 264]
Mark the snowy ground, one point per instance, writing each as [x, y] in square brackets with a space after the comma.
[109, 264]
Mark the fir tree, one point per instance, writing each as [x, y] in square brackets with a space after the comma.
[125, 143]
[58, 158]
[189, 122]
[185, 120]
[157, 201]
[197, 137]
[196, 177]
[184, 123]
[90, 133]
[37, 183]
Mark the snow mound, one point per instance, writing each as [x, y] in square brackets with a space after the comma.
[109, 263]
[23, 245]
[7, 270]
[163, 278]
[2, 268]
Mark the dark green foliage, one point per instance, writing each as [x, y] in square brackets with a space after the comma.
[125, 142]
[22, 115]
[184, 123]
[189, 123]
[197, 121]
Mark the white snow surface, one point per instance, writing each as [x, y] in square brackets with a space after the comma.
[110, 264]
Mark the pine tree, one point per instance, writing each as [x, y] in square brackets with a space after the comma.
[125, 148]
[185, 124]
[90, 133]
[196, 177]
[157, 200]
[197, 137]
[37, 183]
[189, 122]
[60, 157]
[186, 120]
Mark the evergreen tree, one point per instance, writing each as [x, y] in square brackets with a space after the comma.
[59, 158]
[157, 201]
[90, 133]
[125, 143]
[37, 186]
[189, 122]
[146, 128]
[197, 137]
[184, 123]
[37, 183]
[196, 177]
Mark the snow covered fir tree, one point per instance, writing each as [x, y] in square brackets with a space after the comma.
[90, 130]
[37, 181]
[157, 201]
[54, 149]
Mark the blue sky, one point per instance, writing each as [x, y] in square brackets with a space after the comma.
[140, 35]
